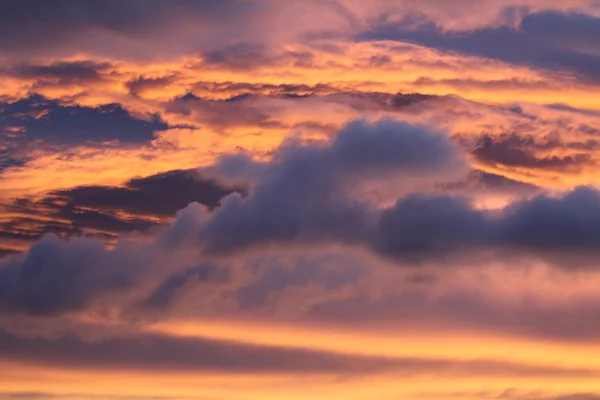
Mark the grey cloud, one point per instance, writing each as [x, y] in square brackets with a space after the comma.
[55, 277]
[138, 86]
[237, 111]
[302, 193]
[33, 25]
[246, 55]
[99, 210]
[61, 73]
[167, 291]
[490, 183]
[519, 151]
[281, 90]
[547, 40]
[157, 195]
[419, 227]
[27, 122]
[272, 277]
[428, 226]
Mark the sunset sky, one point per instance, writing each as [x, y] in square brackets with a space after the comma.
[300, 199]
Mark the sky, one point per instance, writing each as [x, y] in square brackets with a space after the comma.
[300, 199]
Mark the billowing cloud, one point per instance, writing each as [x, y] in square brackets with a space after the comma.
[302, 194]
[246, 199]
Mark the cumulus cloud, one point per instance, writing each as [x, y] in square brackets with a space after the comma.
[313, 193]
[55, 276]
[308, 193]
[303, 193]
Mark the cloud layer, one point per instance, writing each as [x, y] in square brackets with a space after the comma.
[247, 199]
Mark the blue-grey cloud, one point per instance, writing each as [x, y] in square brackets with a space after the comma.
[105, 211]
[305, 195]
[302, 194]
[29, 121]
[549, 40]
[56, 277]
[60, 73]
[51, 26]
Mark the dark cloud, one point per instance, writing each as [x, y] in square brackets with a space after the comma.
[98, 211]
[384, 101]
[42, 26]
[279, 90]
[241, 110]
[138, 86]
[496, 84]
[518, 151]
[421, 226]
[157, 195]
[27, 229]
[246, 56]
[490, 183]
[303, 192]
[7, 252]
[250, 105]
[424, 226]
[566, 107]
[547, 40]
[55, 277]
[576, 31]
[35, 120]
[61, 73]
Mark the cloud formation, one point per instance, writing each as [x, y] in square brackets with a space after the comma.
[547, 39]
[318, 199]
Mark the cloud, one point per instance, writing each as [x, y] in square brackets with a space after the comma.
[55, 276]
[485, 182]
[244, 56]
[302, 195]
[66, 25]
[33, 120]
[548, 40]
[235, 112]
[518, 151]
[318, 193]
[61, 72]
[157, 352]
[423, 226]
[156, 195]
[105, 211]
[166, 292]
[138, 86]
